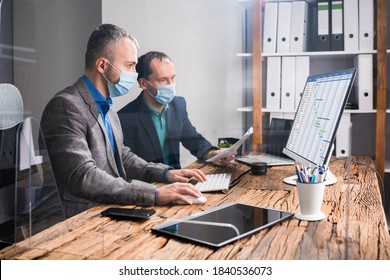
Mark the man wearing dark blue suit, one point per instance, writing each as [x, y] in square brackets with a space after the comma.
[156, 122]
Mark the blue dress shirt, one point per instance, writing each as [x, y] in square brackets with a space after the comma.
[104, 105]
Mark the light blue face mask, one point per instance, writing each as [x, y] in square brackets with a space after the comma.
[126, 81]
[165, 93]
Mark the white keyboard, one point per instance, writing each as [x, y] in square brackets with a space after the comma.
[215, 182]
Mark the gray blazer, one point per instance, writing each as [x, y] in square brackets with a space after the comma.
[85, 169]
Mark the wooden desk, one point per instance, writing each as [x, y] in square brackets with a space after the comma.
[355, 227]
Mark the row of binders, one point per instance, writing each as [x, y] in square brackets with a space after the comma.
[326, 25]
[286, 79]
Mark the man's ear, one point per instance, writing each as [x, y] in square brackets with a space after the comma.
[142, 83]
[101, 65]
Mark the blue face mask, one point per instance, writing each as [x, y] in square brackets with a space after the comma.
[165, 94]
[126, 81]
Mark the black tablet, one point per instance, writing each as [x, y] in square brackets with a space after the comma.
[221, 225]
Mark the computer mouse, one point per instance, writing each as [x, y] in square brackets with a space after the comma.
[195, 200]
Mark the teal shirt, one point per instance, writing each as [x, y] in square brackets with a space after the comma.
[160, 123]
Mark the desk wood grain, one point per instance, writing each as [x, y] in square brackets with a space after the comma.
[355, 227]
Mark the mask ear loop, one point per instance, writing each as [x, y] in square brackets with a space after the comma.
[148, 90]
[150, 83]
[154, 97]
[112, 67]
[106, 78]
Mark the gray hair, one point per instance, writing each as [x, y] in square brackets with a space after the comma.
[102, 42]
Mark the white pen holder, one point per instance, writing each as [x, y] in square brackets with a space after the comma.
[310, 201]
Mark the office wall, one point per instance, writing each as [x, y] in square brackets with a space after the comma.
[50, 38]
[202, 37]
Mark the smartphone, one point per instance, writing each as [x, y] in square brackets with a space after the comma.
[126, 213]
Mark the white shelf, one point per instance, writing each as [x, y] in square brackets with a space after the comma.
[245, 109]
[329, 54]
[266, 110]
[357, 111]
[387, 166]
[245, 54]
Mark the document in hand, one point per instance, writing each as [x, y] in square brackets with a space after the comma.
[232, 149]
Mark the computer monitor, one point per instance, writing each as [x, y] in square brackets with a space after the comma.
[317, 118]
[278, 135]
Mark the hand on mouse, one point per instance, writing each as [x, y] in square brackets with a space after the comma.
[194, 200]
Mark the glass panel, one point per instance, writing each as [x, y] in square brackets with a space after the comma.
[32, 198]
[7, 183]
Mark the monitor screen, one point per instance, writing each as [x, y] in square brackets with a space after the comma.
[317, 117]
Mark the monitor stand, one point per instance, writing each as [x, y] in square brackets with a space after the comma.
[330, 179]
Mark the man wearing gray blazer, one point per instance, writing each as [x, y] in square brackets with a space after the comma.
[84, 137]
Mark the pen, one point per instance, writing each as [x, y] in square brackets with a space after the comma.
[298, 174]
[320, 177]
[306, 172]
[315, 171]
[305, 177]
[325, 172]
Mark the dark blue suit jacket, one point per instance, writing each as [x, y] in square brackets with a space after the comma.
[141, 136]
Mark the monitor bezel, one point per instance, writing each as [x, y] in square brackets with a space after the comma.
[300, 158]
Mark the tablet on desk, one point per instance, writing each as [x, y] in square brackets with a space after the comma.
[224, 224]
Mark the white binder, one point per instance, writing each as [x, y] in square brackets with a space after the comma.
[273, 82]
[302, 71]
[337, 36]
[284, 27]
[351, 25]
[288, 83]
[298, 35]
[366, 25]
[270, 27]
[364, 81]
[344, 136]
[322, 24]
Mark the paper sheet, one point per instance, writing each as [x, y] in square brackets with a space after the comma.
[232, 149]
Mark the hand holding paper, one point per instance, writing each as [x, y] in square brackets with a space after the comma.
[231, 150]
